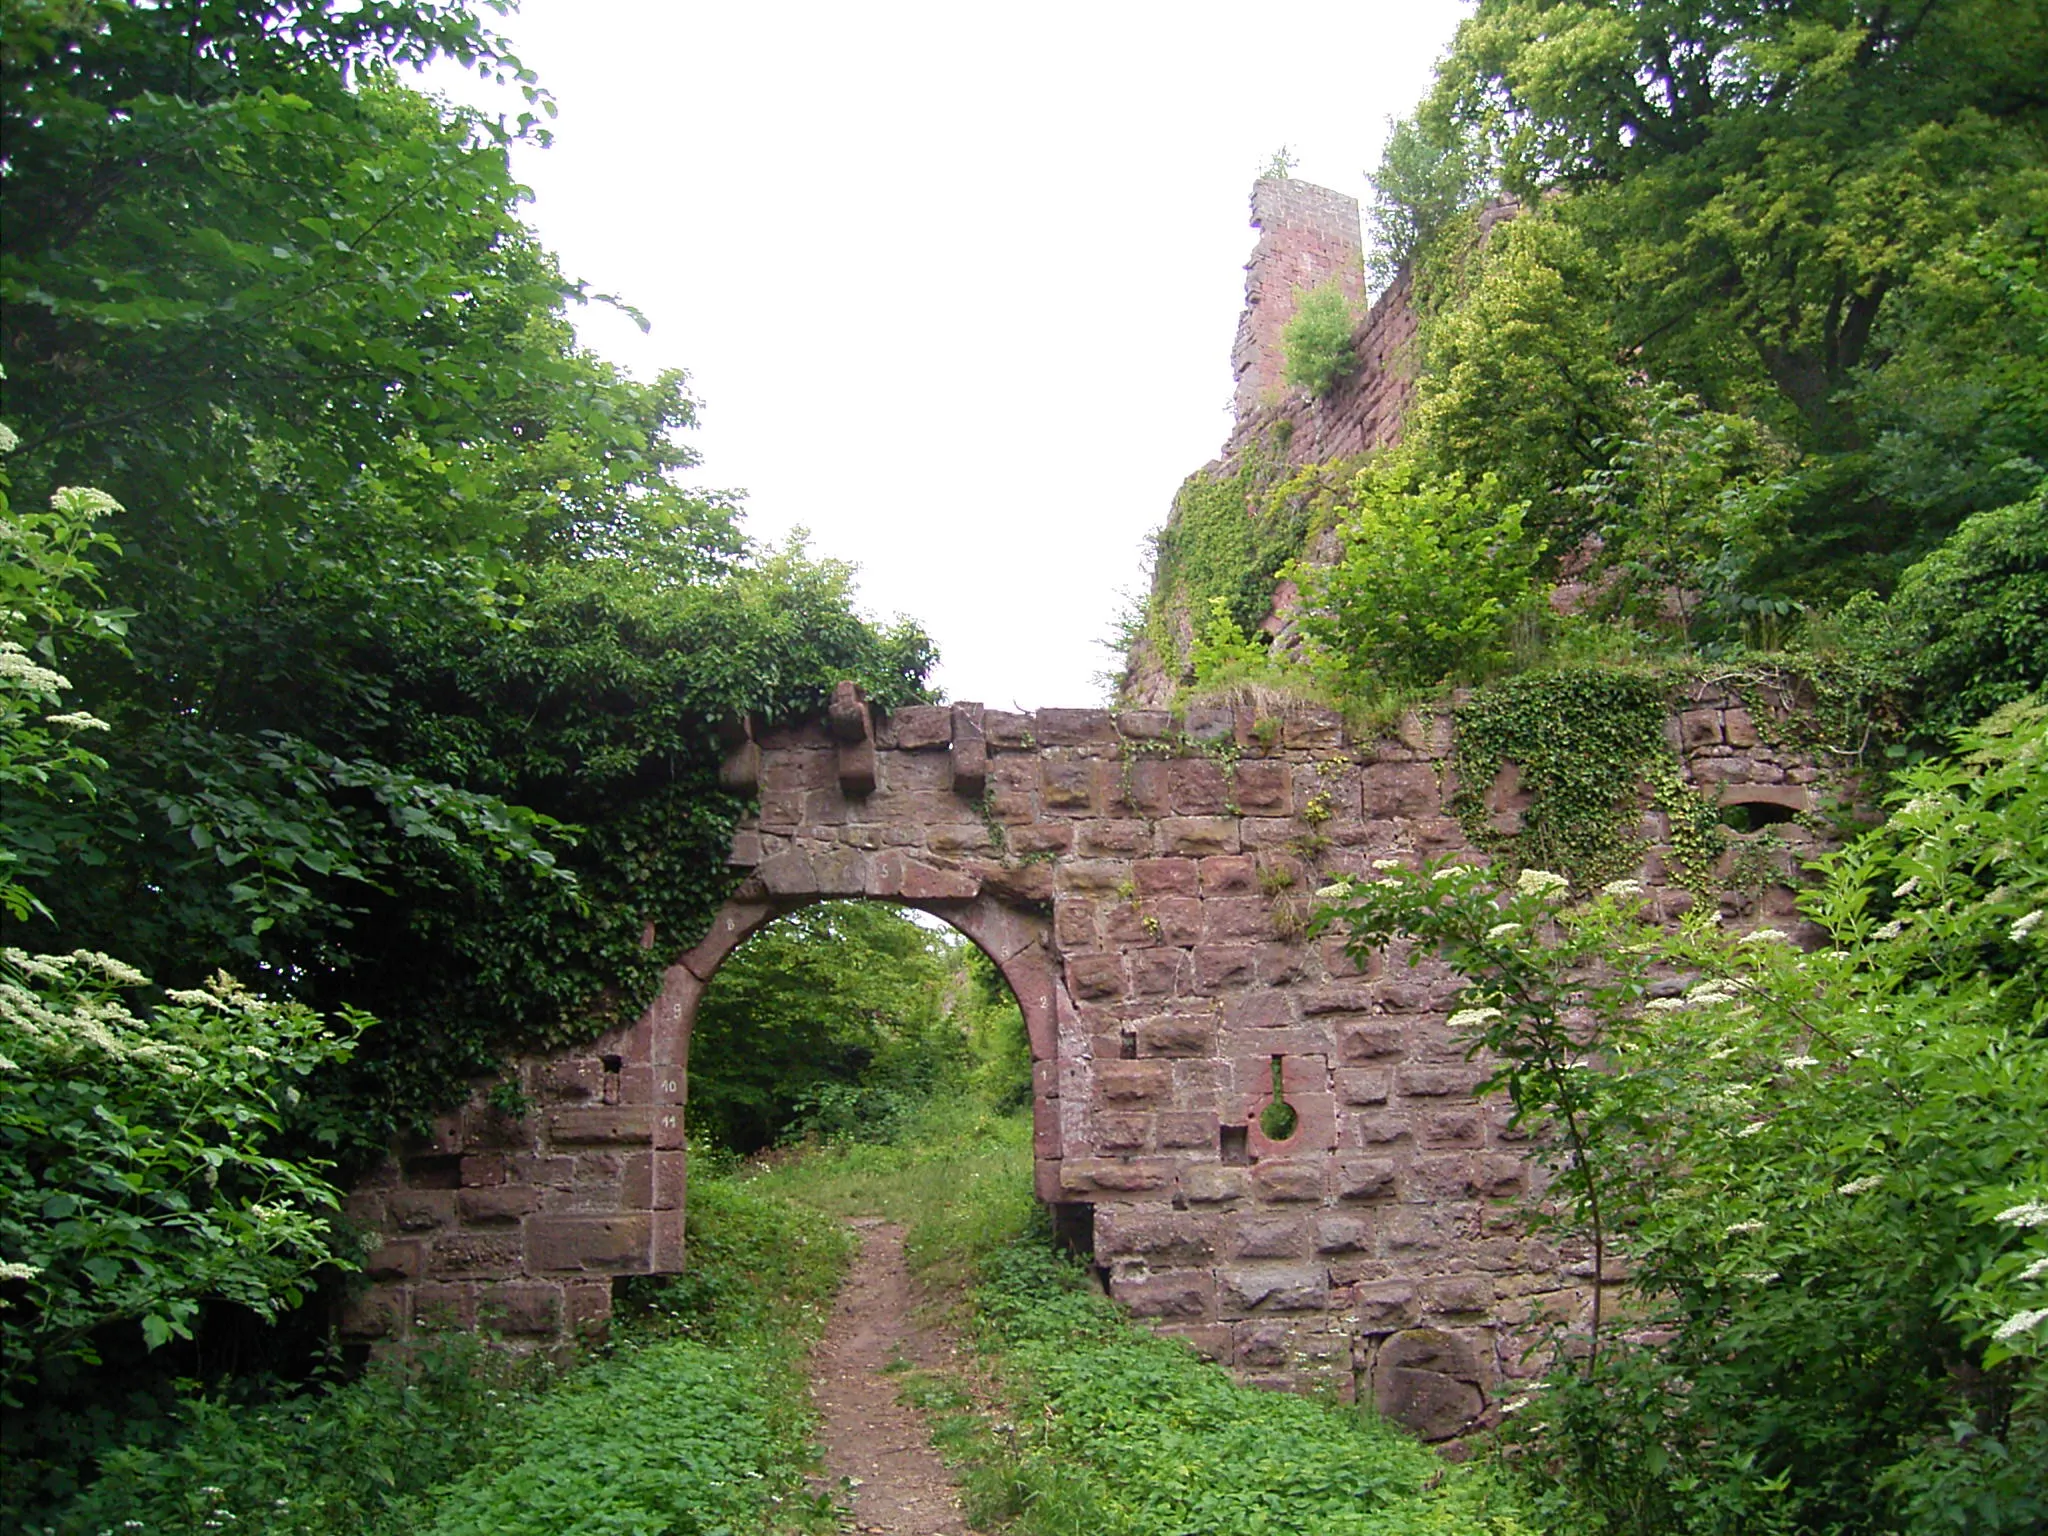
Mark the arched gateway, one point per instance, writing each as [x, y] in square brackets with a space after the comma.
[1141, 880]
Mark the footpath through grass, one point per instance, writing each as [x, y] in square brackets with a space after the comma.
[1073, 1421]
[1064, 1420]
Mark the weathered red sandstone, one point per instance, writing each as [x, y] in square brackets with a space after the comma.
[1110, 865]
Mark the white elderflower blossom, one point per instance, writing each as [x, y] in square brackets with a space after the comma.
[1501, 931]
[1862, 1186]
[16, 668]
[117, 971]
[2032, 1213]
[9, 1270]
[2038, 1270]
[1708, 993]
[1905, 887]
[1622, 889]
[1336, 890]
[1541, 883]
[1753, 1128]
[1472, 1018]
[1665, 1005]
[1760, 1276]
[1763, 936]
[78, 720]
[1737, 1229]
[1801, 1063]
[8, 441]
[1387, 864]
[1890, 930]
[2025, 925]
[84, 502]
[2019, 1323]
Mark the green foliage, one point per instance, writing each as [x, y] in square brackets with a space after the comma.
[1227, 538]
[339, 1459]
[957, 1176]
[1970, 622]
[1429, 574]
[1827, 218]
[840, 1020]
[1825, 1167]
[1518, 377]
[1683, 506]
[139, 1157]
[1125, 1434]
[1582, 740]
[1317, 340]
[697, 1417]
[427, 645]
[1431, 171]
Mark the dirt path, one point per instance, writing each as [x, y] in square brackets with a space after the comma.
[876, 1445]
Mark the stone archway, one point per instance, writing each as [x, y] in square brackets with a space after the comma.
[1141, 880]
[1016, 940]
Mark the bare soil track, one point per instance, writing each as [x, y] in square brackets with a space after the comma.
[878, 1452]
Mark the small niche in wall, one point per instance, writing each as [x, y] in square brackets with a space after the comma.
[1755, 815]
[1234, 1143]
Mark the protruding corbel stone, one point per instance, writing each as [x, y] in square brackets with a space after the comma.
[847, 715]
[970, 751]
[740, 772]
[853, 727]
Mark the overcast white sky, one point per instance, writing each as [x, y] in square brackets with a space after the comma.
[955, 282]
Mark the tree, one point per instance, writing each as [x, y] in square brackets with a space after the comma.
[430, 647]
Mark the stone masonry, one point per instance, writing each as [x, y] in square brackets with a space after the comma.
[1308, 235]
[1141, 879]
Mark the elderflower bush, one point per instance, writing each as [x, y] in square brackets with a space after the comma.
[1825, 1167]
[139, 1173]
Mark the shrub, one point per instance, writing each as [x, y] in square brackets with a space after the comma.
[1825, 1166]
[1431, 573]
[1317, 341]
[140, 1166]
[1971, 620]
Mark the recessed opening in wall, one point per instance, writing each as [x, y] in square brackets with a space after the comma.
[1233, 1145]
[851, 1022]
[1755, 815]
[1278, 1120]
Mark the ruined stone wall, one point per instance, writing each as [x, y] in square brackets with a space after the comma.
[1141, 879]
[1308, 235]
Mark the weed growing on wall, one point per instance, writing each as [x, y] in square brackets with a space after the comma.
[1317, 340]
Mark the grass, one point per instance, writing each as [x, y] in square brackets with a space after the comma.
[1072, 1421]
[695, 1422]
[1067, 1420]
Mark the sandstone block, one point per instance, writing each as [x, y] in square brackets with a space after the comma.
[1175, 1294]
[1367, 1180]
[1272, 1288]
[614, 1244]
[498, 1205]
[1176, 1036]
[1230, 875]
[1288, 1179]
[1134, 1082]
[1095, 976]
[1198, 836]
[1208, 1184]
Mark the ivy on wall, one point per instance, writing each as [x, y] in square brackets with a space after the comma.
[1582, 740]
[1227, 537]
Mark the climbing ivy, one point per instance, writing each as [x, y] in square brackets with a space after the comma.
[1582, 740]
[1227, 537]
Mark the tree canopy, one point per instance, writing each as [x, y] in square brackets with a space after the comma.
[426, 641]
